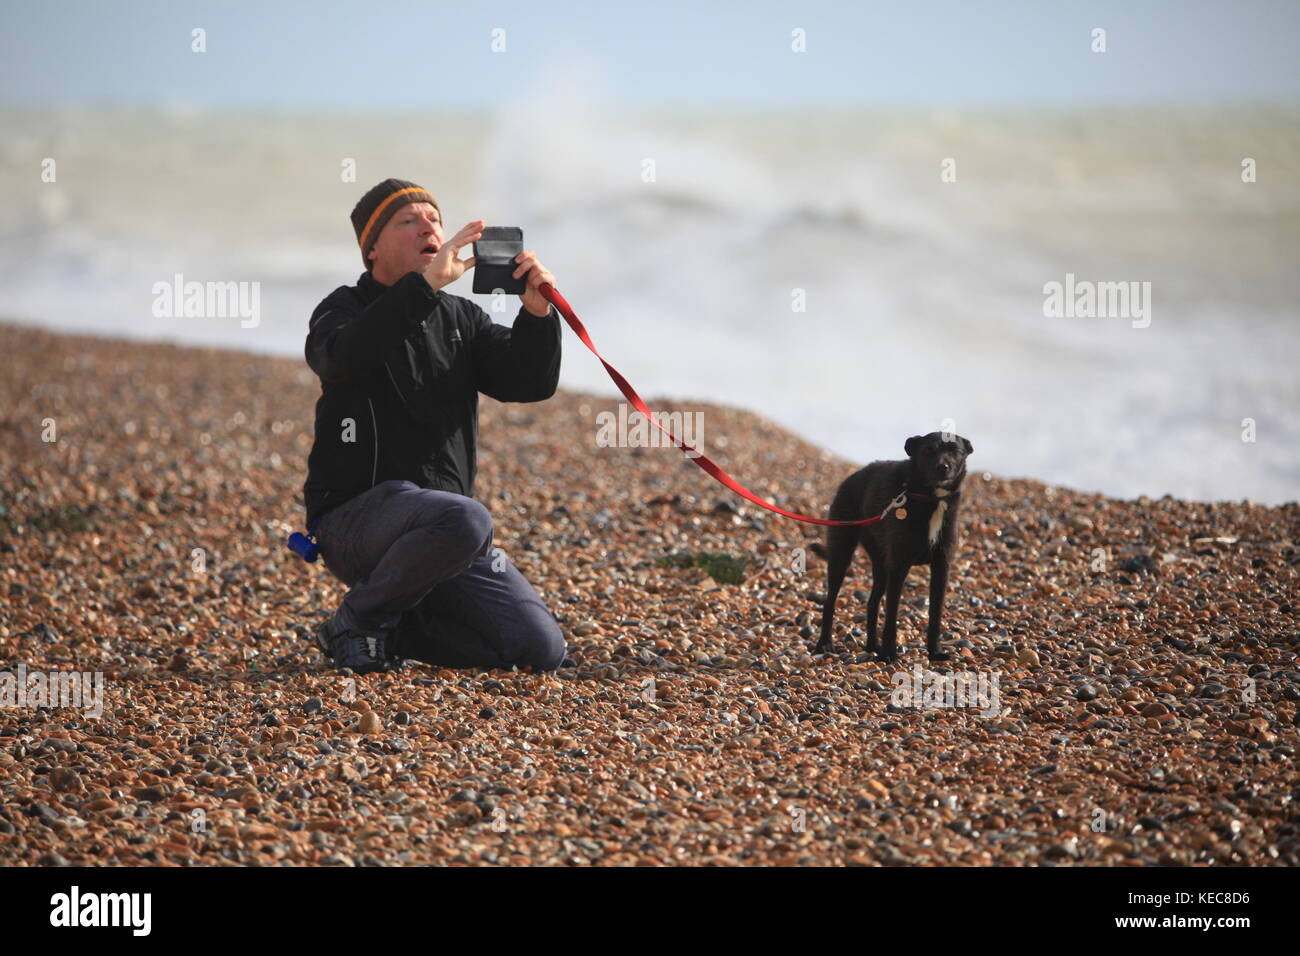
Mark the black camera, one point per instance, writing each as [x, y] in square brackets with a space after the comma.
[494, 261]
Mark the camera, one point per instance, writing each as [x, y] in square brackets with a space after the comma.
[494, 260]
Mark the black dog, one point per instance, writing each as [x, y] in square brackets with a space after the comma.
[919, 500]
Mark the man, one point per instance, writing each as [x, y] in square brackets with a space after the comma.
[391, 472]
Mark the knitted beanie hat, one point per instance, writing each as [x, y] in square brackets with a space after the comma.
[375, 208]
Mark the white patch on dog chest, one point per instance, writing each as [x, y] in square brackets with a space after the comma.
[936, 521]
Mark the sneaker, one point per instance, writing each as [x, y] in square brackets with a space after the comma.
[362, 652]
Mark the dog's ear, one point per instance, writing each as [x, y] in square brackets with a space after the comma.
[913, 444]
[967, 445]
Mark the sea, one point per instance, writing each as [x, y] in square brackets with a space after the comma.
[1104, 299]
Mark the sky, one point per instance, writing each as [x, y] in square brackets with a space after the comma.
[398, 56]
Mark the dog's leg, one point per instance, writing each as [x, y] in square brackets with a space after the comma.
[938, 588]
[841, 542]
[878, 580]
[893, 591]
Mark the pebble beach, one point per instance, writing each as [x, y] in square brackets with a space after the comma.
[1143, 653]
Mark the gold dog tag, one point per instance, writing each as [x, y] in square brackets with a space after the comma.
[900, 514]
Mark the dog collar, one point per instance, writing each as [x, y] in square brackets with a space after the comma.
[900, 499]
[911, 494]
[941, 494]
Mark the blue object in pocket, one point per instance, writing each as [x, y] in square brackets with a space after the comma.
[304, 545]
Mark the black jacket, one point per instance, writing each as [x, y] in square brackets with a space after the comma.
[401, 367]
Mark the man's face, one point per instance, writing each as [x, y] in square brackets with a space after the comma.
[408, 242]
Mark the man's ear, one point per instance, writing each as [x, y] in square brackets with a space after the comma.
[912, 444]
[968, 446]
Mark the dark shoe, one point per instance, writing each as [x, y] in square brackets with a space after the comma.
[363, 652]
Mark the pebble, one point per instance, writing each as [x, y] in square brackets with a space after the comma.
[43, 812]
[65, 780]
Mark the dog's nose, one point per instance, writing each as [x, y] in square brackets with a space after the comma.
[943, 468]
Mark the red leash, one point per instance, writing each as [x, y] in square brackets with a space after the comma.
[553, 295]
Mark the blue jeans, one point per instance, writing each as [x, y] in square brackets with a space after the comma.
[421, 563]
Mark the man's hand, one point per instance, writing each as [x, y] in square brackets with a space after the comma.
[446, 266]
[533, 301]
